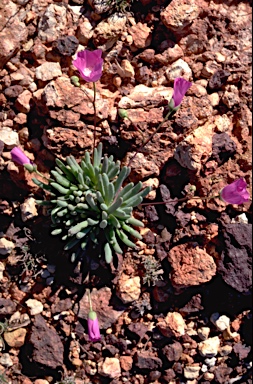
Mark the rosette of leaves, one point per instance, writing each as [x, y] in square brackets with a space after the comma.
[89, 204]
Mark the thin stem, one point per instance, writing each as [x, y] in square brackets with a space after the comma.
[41, 175]
[95, 116]
[150, 137]
[182, 199]
[89, 299]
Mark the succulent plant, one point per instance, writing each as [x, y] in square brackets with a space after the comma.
[153, 270]
[90, 206]
[120, 5]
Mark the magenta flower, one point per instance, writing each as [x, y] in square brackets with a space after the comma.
[89, 64]
[181, 86]
[93, 326]
[19, 157]
[236, 192]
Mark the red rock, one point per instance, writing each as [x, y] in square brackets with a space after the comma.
[126, 363]
[141, 167]
[11, 34]
[73, 141]
[190, 266]
[148, 55]
[179, 14]
[23, 101]
[170, 55]
[141, 34]
[84, 31]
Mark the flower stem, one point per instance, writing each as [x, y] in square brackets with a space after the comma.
[44, 177]
[182, 199]
[90, 302]
[95, 116]
[150, 137]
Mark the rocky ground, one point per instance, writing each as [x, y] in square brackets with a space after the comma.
[178, 308]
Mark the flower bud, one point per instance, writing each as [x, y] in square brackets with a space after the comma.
[181, 86]
[123, 113]
[30, 167]
[75, 81]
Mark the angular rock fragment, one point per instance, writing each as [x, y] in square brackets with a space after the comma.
[190, 266]
[47, 345]
[235, 265]
[147, 361]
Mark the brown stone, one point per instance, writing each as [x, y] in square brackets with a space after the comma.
[172, 325]
[147, 361]
[72, 141]
[128, 289]
[47, 345]
[126, 363]
[15, 338]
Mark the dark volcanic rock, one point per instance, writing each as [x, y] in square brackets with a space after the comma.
[235, 265]
[223, 147]
[139, 329]
[7, 307]
[151, 213]
[193, 305]
[222, 373]
[146, 361]
[13, 91]
[67, 45]
[218, 79]
[47, 346]
[62, 305]
[241, 350]
[165, 194]
[173, 351]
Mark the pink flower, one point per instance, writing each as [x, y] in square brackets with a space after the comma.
[181, 86]
[93, 326]
[235, 193]
[19, 157]
[89, 64]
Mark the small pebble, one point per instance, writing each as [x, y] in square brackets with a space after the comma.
[35, 306]
[51, 268]
[221, 322]
[203, 333]
[210, 362]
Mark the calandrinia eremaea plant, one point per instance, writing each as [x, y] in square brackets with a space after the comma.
[89, 205]
[88, 201]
